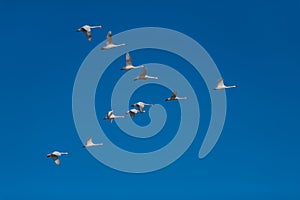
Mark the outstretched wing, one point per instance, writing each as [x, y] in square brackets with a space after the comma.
[109, 113]
[109, 38]
[221, 82]
[89, 141]
[174, 94]
[86, 28]
[128, 60]
[55, 159]
[132, 114]
[143, 73]
[88, 35]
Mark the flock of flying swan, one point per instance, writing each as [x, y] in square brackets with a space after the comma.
[87, 30]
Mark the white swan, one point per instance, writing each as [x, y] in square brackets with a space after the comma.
[129, 65]
[109, 44]
[87, 30]
[110, 116]
[90, 143]
[141, 105]
[133, 112]
[175, 97]
[55, 154]
[221, 85]
[143, 75]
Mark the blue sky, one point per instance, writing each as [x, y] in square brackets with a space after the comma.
[255, 44]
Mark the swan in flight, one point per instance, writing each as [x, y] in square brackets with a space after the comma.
[55, 154]
[221, 85]
[90, 143]
[129, 65]
[143, 75]
[141, 105]
[175, 97]
[87, 30]
[109, 44]
[133, 112]
[110, 116]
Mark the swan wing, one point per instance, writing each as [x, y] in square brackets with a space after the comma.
[143, 73]
[221, 82]
[89, 141]
[86, 28]
[174, 94]
[132, 114]
[88, 35]
[55, 159]
[109, 113]
[128, 60]
[109, 38]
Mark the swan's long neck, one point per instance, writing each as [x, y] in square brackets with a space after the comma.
[183, 98]
[119, 116]
[141, 66]
[118, 45]
[96, 27]
[64, 153]
[153, 77]
[233, 86]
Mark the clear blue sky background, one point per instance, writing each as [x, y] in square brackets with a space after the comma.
[254, 43]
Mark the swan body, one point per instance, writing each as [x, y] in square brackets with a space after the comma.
[109, 44]
[110, 116]
[141, 105]
[55, 154]
[87, 30]
[143, 75]
[129, 65]
[175, 97]
[221, 85]
[133, 112]
[90, 143]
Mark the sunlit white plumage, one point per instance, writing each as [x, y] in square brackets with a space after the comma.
[133, 112]
[55, 154]
[143, 75]
[175, 97]
[129, 65]
[141, 105]
[109, 44]
[90, 143]
[86, 29]
[221, 85]
[110, 116]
